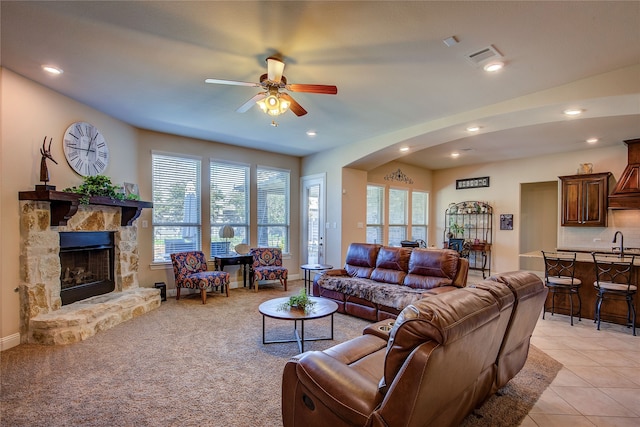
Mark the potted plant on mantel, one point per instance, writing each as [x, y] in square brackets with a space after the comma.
[99, 185]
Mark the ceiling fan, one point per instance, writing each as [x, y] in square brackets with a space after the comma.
[272, 101]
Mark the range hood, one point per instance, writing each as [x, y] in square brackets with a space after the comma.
[626, 195]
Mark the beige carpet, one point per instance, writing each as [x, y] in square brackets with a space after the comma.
[188, 364]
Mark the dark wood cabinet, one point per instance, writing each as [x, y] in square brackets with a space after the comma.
[584, 200]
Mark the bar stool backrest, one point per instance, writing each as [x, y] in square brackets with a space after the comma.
[614, 269]
[559, 265]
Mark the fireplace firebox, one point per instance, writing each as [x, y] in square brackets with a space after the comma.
[87, 262]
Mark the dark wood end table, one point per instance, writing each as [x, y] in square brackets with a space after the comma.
[234, 259]
[324, 307]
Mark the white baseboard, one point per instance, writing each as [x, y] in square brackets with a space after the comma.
[10, 341]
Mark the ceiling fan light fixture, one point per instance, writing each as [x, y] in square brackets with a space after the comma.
[273, 105]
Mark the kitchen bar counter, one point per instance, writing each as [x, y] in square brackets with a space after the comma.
[584, 254]
[585, 271]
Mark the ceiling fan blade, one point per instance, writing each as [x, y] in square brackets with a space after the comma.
[275, 68]
[250, 103]
[232, 82]
[294, 106]
[324, 89]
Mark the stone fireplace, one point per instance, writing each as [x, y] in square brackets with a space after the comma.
[45, 318]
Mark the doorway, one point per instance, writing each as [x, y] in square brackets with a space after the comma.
[539, 221]
[313, 218]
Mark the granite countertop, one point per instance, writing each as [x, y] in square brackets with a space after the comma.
[584, 254]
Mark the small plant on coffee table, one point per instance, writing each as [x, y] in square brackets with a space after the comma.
[300, 301]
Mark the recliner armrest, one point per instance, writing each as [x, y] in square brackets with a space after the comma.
[350, 394]
[463, 273]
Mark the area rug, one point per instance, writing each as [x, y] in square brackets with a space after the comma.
[511, 404]
[189, 364]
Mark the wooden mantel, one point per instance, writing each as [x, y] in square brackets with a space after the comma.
[65, 205]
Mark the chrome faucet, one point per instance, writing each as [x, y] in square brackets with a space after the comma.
[615, 236]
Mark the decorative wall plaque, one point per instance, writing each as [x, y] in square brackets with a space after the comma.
[472, 183]
[398, 176]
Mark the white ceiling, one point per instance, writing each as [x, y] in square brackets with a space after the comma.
[145, 63]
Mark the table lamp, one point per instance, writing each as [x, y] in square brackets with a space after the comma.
[226, 232]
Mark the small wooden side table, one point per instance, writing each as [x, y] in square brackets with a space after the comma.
[308, 268]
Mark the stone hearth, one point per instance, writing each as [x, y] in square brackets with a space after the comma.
[43, 318]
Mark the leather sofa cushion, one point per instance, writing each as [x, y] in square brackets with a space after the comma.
[437, 263]
[391, 265]
[361, 259]
[417, 281]
[447, 318]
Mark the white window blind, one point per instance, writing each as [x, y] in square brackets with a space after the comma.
[419, 215]
[398, 206]
[176, 205]
[229, 204]
[273, 208]
[375, 218]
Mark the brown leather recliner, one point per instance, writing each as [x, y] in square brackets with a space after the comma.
[442, 358]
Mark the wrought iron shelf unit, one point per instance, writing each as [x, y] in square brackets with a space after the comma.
[468, 228]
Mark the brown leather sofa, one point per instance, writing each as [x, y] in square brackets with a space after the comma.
[377, 281]
[442, 357]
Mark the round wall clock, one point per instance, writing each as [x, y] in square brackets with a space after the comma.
[86, 149]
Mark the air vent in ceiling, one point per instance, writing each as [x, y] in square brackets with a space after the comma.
[483, 56]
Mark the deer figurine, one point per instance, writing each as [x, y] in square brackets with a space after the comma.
[46, 154]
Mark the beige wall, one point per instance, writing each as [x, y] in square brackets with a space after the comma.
[29, 112]
[354, 211]
[149, 142]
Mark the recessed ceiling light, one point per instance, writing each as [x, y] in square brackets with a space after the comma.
[455, 154]
[404, 149]
[592, 140]
[572, 112]
[52, 70]
[311, 133]
[494, 66]
[473, 128]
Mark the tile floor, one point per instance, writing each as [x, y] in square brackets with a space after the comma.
[599, 384]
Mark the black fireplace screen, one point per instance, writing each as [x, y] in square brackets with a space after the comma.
[86, 260]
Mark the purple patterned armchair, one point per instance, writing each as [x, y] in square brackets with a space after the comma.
[267, 265]
[190, 270]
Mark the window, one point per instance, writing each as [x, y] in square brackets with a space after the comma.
[419, 215]
[229, 204]
[398, 206]
[375, 219]
[273, 208]
[176, 205]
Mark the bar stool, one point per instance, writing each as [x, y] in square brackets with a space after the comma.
[614, 274]
[559, 277]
